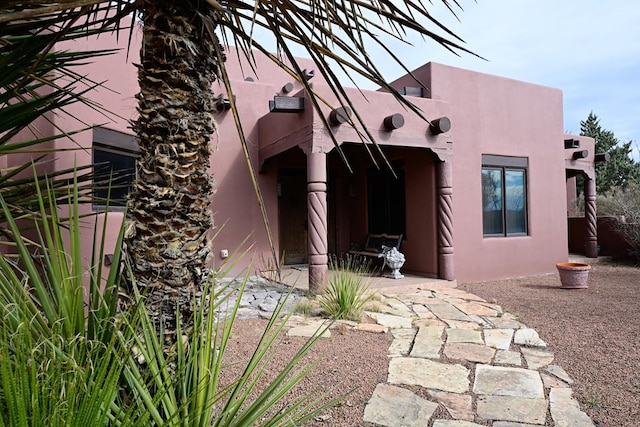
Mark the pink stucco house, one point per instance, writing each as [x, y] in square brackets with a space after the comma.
[480, 192]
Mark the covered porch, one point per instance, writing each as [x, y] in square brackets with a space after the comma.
[326, 206]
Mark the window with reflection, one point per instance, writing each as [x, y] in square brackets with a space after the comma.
[504, 196]
[114, 164]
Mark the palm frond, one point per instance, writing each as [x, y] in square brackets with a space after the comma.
[38, 82]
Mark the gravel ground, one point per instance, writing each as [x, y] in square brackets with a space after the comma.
[347, 361]
[594, 334]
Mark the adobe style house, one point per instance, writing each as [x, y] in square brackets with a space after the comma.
[479, 192]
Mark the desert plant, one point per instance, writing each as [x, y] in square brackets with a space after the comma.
[60, 355]
[182, 387]
[66, 359]
[348, 289]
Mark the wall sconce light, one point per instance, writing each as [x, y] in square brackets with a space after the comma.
[286, 104]
[287, 87]
[394, 121]
[248, 79]
[441, 125]
[602, 157]
[582, 154]
[222, 105]
[308, 74]
[339, 116]
[571, 143]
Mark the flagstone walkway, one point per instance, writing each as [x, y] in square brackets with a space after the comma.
[470, 356]
[473, 358]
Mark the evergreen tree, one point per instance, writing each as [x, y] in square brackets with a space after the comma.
[621, 169]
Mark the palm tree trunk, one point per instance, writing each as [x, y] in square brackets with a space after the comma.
[168, 216]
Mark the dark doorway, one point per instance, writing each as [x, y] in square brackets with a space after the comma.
[292, 207]
[386, 199]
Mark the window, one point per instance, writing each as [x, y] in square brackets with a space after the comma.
[504, 195]
[114, 162]
[386, 199]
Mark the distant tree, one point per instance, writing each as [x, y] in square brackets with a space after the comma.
[621, 170]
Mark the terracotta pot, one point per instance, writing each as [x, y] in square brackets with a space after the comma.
[573, 275]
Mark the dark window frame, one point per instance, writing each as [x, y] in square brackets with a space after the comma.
[505, 164]
[107, 141]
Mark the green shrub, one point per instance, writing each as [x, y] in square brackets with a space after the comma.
[348, 288]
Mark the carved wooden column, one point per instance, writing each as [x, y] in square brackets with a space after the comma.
[317, 214]
[445, 221]
[591, 219]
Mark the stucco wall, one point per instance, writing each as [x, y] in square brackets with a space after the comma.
[489, 114]
[500, 116]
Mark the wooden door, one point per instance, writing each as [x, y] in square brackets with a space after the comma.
[292, 207]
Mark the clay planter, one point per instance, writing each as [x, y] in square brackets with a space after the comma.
[573, 275]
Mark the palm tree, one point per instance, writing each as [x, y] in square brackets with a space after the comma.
[168, 218]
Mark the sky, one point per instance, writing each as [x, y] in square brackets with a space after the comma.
[590, 49]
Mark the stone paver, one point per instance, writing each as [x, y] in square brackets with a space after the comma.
[309, 330]
[428, 374]
[506, 357]
[511, 424]
[455, 423]
[505, 381]
[402, 341]
[371, 327]
[423, 312]
[537, 358]
[458, 324]
[510, 408]
[396, 307]
[551, 381]
[504, 322]
[559, 373]
[498, 338]
[391, 320]
[446, 311]
[459, 406]
[394, 406]
[474, 308]
[470, 352]
[565, 410]
[428, 342]
[455, 335]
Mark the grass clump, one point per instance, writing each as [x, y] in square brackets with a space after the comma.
[348, 289]
[304, 306]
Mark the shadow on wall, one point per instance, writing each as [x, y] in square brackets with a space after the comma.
[610, 241]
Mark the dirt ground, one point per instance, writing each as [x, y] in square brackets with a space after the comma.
[594, 334]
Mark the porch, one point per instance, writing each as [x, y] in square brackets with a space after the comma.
[298, 277]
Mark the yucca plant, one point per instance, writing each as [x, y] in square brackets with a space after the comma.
[73, 359]
[348, 289]
[60, 358]
[182, 386]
